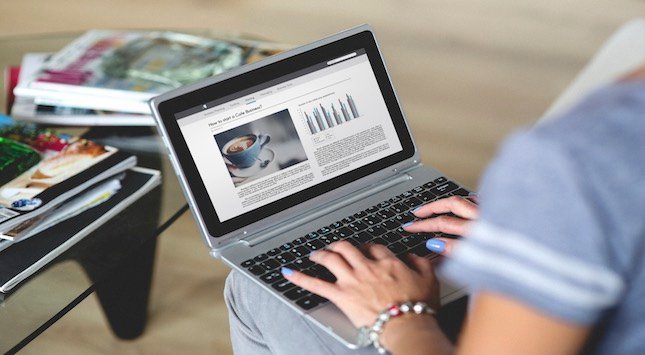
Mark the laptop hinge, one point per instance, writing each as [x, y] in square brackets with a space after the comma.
[266, 234]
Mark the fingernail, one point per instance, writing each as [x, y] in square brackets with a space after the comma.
[407, 224]
[286, 271]
[414, 210]
[312, 253]
[436, 245]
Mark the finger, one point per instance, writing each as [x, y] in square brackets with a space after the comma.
[460, 206]
[443, 246]
[445, 224]
[378, 252]
[420, 264]
[333, 261]
[352, 255]
[309, 283]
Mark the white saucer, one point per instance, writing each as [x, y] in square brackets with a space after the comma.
[265, 154]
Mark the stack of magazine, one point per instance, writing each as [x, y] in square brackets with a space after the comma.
[47, 178]
[106, 77]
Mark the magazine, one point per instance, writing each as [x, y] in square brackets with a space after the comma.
[121, 70]
[26, 108]
[25, 258]
[40, 169]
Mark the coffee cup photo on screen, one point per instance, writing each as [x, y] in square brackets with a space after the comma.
[261, 147]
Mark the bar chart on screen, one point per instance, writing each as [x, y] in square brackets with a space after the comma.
[330, 112]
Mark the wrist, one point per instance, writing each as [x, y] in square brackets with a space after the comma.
[406, 328]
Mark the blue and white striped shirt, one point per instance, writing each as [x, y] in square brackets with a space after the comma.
[562, 225]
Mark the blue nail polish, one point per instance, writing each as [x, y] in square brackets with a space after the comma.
[407, 224]
[286, 271]
[312, 253]
[414, 210]
[436, 245]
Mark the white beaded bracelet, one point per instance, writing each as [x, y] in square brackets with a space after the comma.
[371, 335]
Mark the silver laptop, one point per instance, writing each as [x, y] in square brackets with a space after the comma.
[289, 154]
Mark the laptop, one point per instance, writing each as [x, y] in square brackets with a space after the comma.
[287, 155]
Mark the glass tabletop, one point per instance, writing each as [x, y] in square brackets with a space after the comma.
[90, 264]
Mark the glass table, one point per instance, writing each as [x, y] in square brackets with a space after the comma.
[116, 260]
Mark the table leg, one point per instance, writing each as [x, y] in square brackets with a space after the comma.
[124, 296]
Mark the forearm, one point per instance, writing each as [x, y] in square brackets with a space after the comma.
[415, 334]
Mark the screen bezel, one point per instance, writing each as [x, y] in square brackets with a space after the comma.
[168, 108]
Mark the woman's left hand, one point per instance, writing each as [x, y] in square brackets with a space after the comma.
[369, 281]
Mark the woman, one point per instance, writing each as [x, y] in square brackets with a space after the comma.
[554, 253]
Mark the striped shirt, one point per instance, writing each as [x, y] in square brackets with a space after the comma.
[562, 225]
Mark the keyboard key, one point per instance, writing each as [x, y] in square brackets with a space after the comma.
[383, 204]
[386, 214]
[272, 277]
[357, 226]
[360, 214]
[319, 299]
[301, 251]
[270, 264]
[283, 285]
[396, 247]
[395, 199]
[402, 232]
[286, 246]
[335, 237]
[315, 245]
[412, 240]
[353, 241]
[326, 239]
[427, 196]
[323, 230]
[376, 230]
[461, 192]
[285, 257]
[413, 202]
[399, 208]
[336, 225]
[444, 188]
[261, 257]
[379, 240]
[420, 250]
[372, 220]
[248, 263]
[392, 237]
[404, 218]
[302, 264]
[418, 189]
[429, 185]
[296, 293]
[363, 237]
[256, 270]
[390, 224]
[440, 180]
[405, 195]
[372, 209]
[301, 240]
[312, 235]
[307, 303]
[273, 252]
[349, 219]
[344, 232]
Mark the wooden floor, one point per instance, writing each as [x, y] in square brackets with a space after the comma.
[468, 72]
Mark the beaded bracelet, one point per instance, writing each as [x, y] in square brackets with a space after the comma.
[370, 335]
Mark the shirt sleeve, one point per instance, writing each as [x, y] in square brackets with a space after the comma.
[539, 240]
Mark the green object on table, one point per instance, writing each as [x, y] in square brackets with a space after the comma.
[15, 159]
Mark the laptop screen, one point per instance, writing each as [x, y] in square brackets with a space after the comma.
[276, 139]
[261, 139]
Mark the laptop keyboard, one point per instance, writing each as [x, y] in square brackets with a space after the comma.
[379, 224]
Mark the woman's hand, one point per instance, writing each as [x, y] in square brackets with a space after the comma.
[452, 215]
[369, 281]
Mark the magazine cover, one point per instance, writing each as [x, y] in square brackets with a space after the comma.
[121, 70]
[40, 169]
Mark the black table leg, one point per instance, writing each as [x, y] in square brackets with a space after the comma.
[124, 296]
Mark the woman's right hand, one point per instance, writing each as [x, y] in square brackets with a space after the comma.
[451, 215]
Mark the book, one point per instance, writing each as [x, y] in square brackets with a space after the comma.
[120, 70]
[40, 169]
[25, 258]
